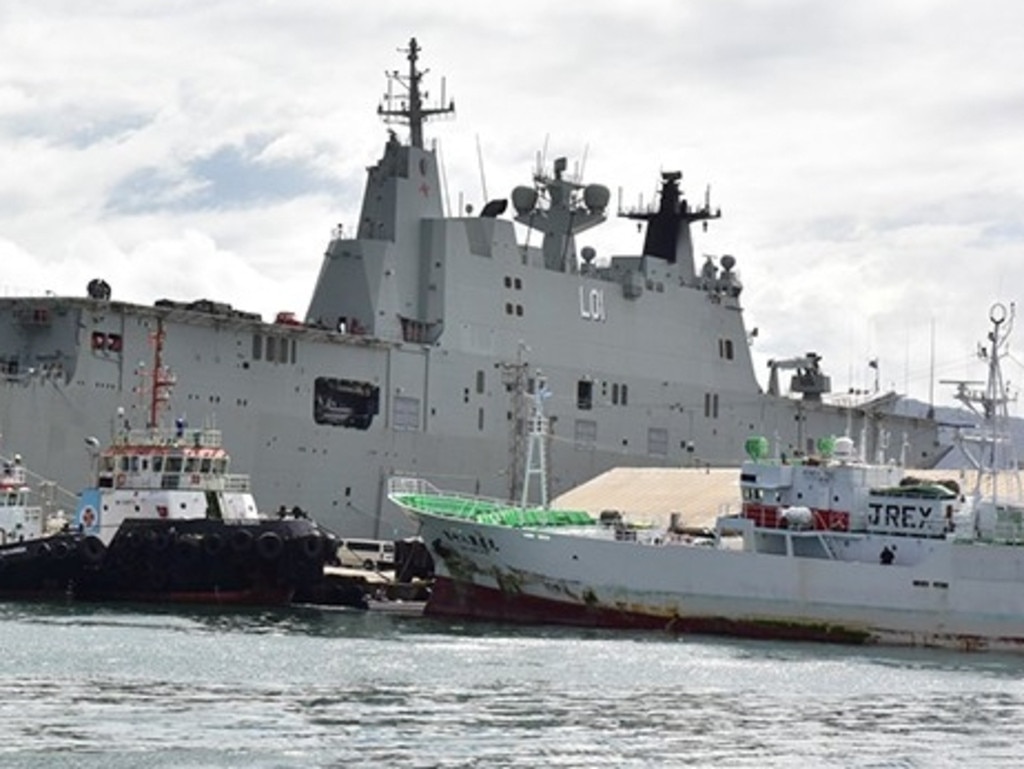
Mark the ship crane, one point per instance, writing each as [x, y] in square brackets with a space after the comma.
[808, 379]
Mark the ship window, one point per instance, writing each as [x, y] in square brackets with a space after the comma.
[728, 349]
[519, 284]
[173, 464]
[584, 394]
[508, 282]
[257, 346]
[615, 394]
[623, 395]
[711, 405]
[406, 413]
[158, 464]
[271, 348]
[191, 465]
[480, 381]
[345, 402]
[519, 310]
[585, 434]
[480, 418]
[295, 350]
[204, 465]
[657, 441]
[508, 308]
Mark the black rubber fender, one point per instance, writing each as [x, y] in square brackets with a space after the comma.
[269, 545]
[241, 541]
[213, 544]
[41, 550]
[159, 540]
[91, 549]
[312, 547]
[61, 549]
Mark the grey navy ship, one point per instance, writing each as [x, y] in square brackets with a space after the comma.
[422, 342]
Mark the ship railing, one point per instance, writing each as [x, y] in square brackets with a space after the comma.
[205, 438]
[13, 475]
[237, 483]
[404, 486]
[409, 486]
[420, 495]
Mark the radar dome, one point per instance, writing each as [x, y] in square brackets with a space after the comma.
[757, 447]
[524, 199]
[588, 254]
[596, 197]
[843, 449]
[728, 262]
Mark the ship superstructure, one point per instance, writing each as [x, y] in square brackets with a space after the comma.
[416, 351]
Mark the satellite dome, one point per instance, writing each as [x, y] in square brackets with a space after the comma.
[728, 262]
[596, 197]
[524, 199]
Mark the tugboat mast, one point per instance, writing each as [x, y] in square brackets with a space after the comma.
[411, 111]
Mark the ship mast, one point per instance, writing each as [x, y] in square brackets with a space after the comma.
[411, 111]
[996, 453]
[536, 458]
[162, 380]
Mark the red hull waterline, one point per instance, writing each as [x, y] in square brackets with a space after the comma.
[459, 600]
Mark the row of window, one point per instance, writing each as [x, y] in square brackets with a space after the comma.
[133, 463]
[103, 342]
[585, 437]
[274, 349]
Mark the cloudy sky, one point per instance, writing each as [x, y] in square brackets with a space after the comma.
[868, 156]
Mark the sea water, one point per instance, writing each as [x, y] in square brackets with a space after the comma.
[104, 686]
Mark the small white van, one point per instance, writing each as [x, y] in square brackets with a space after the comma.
[371, 554]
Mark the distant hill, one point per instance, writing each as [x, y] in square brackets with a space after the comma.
[956, 417]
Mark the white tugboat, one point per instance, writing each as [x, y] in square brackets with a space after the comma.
[165, 521]
[827, 548]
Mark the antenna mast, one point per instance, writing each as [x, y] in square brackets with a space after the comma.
[411, 110]
[536, 460]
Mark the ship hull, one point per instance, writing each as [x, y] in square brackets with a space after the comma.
[174, 562]
[957, 595]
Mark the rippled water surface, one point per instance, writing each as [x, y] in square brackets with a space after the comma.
[118, 687]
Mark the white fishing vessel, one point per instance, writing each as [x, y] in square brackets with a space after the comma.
[830, 548]
[415, 350]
